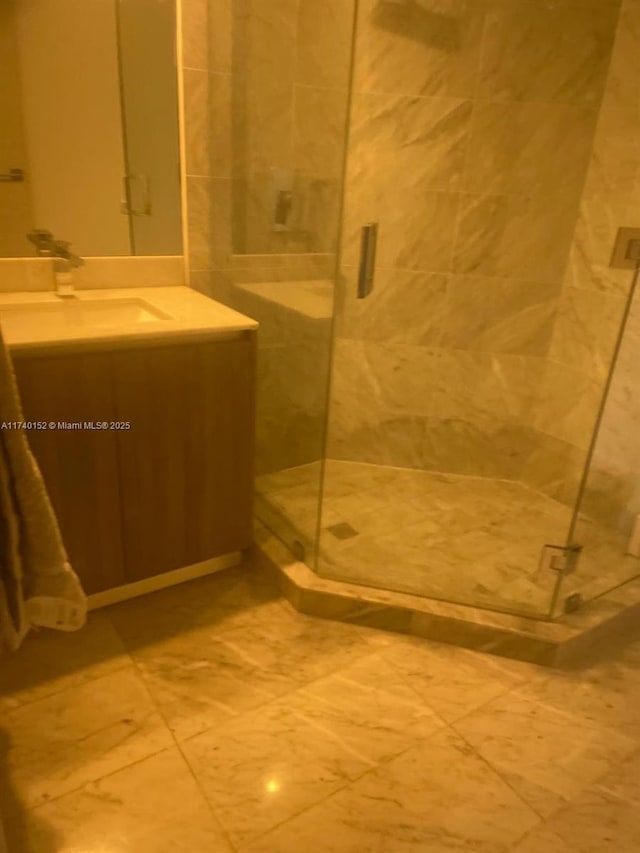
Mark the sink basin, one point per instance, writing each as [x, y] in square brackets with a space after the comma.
[51, 318]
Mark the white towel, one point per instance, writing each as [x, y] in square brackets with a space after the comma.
[38, 587]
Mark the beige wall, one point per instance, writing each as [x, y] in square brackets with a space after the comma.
[15, 203]
[471, 132]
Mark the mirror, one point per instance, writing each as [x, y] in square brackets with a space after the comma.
[89, 147]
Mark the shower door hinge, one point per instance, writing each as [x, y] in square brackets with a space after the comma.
[560, 558]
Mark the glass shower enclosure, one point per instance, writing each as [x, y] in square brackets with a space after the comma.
[467, 431]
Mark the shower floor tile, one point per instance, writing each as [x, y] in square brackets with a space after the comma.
[454, 537]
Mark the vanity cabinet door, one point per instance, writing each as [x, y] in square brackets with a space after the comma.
[79, 465]
[186, 464]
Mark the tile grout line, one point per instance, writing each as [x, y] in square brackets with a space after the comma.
[350, 783]
[371, 652]
[568, 806]
[502, 693]
[585, 721]
[271, 701]
[237, 718]
[210, 807]
[12, 709]
[177, 745]
[497, 772]
[474, 97]
[88, 782]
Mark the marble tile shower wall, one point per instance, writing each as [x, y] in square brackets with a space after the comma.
[290, 92]
[270, 93]
[265, 89]
[591, 308]
[612, 489]
[472, 130]
[234, 84]
[206, 29]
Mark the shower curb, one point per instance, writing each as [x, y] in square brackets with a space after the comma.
[612, 617]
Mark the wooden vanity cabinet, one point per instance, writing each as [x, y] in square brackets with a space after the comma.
[80, 467]
[186, 466]
[174, 489]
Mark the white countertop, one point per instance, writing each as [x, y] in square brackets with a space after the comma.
[42, 319]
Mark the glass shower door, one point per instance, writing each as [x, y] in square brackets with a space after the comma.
[283, 75]
[606, 524]
[463, 398]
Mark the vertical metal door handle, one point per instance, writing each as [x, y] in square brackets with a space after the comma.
[367, 268]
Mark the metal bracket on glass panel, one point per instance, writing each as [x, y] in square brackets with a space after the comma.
[559, 558]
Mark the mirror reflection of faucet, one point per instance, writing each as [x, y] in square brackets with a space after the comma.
[64, 259]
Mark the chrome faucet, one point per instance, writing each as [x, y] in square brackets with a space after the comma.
[63, 258]
[48, 247]
[62, 251]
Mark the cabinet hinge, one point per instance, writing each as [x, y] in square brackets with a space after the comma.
[560, 558]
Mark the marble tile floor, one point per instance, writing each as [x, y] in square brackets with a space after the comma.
[459, 538]
[212, 717]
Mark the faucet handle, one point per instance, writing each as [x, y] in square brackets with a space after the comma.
[48, 246]
[42, 240]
